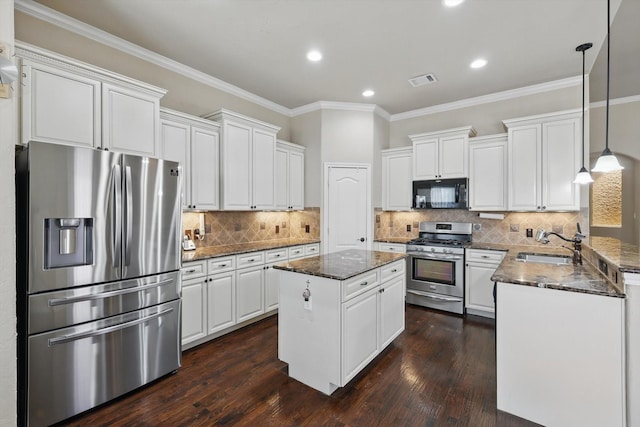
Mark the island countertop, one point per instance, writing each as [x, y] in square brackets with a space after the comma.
[575, 278]
[341, 265]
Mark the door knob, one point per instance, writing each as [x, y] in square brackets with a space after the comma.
[362, 239]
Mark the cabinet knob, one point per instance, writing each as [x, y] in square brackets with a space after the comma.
[544, 207]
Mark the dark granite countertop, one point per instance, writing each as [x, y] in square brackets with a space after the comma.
[575, 278]
[490, 246]
[399, 240]
[242, 248]
[624, 255]
[341, 265]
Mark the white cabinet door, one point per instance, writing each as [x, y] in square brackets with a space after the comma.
[488, 173]
[236, 164]
[204, 169]
[391, 310]
[479, 288]
[249, 292]
[524, 168]
[296, 180]
[425, 159]
[175, 145]
[60, 107]
[131, 121]
[452, 155]
[282, 178]
[397, 177]
[561, 150]
[194, 309]
[263, 172]
[221, 301]
[271, 287]
[359, 333]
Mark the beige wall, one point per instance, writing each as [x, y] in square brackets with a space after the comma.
[624, 129]
[306, 130]
[8, 138]
[184, 94]
[486, 118]
[380, 142]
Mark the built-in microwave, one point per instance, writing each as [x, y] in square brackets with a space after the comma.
[440, 194]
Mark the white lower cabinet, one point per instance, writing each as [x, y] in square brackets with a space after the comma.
[344, 325]
[480, 266]
[390, 247]
[219, 294]
[249, 292]
[221, 301]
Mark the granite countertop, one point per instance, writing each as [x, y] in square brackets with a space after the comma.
[341, 265]
[242, 248]
[490, 246]
[575, 278]
[624, 255]
[400, 240]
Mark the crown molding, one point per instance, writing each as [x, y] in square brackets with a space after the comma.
[617, 101]
[493, 97]
[68, 23]
[344, 106]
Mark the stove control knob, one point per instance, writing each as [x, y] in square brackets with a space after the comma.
[433, 249]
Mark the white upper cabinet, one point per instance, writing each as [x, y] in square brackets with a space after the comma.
[441, 154]
[65, 101]
[544, 156]
[248, 160]
[488, 173]
[194, 142]
[289, 176]
[397, 178]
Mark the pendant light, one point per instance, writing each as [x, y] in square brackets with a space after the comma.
[607, 162]
[583, 176]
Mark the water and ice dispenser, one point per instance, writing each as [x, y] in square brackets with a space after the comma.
[68, 242]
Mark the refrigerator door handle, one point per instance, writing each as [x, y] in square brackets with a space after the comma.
[74, 337]
[117, 216]
[129, 210]
[71, 300]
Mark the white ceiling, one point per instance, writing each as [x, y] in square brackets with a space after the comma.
[260, 45]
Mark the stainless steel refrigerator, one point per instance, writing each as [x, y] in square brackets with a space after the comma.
[98, 260]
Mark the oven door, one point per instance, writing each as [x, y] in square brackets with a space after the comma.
[436, 274]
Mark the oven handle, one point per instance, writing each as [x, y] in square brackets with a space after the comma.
[422, 255]
[430, 296]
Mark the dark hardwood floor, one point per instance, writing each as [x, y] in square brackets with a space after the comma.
[439, 371]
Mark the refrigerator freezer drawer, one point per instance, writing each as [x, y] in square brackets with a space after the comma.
[74, 369]
[59, 309]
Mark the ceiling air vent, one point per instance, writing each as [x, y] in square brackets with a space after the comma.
[425, 79]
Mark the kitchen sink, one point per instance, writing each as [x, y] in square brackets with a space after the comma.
[553, 259]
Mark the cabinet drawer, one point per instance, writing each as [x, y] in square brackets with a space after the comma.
[296, 252]
[310, 250]
[192, 270]
[276, 255]
[359, 284]
[393, 269]
[392, 247]
[250, 259]
[220, 265]
[486, 256]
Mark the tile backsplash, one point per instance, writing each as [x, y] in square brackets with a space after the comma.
[510, 230]
[227, 228]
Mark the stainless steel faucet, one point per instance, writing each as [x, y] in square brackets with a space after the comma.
[543, 237]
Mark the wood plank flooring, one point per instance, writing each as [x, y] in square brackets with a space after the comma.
[439, 371]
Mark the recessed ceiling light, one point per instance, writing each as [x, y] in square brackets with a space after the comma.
[478, 63]
[452, 3]
[314, 55]
[368, 92]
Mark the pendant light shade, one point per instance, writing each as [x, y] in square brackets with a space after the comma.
[607, 162]
[583, 176]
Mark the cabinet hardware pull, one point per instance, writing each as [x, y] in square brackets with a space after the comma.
[365, 283]
[485, 256]
[193, 270]
[394, 270]
[223, 265]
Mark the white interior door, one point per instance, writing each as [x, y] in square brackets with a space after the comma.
[347, 200]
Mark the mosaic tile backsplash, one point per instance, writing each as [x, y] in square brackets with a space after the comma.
[510, 230]
[227, 228]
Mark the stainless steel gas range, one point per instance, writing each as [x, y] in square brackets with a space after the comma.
[435, 265]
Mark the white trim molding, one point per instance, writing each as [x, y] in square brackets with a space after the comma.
[344, 106]
[617, 101]
[68, 23]
[492, 97]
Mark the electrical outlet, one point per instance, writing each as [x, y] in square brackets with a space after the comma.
[408, 228]
[307, 228]
[529, 232]
[277, 229]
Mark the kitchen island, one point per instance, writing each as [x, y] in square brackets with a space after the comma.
[560, 343]
[337, 312]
